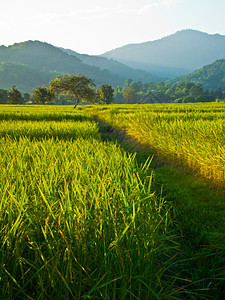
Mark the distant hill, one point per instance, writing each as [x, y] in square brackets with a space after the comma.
[23, 76]
[174, 55]
[33, 63]
[210, 76]
[115, 67]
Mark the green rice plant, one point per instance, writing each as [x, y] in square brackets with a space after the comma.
[191, 137]
[49, 129]
[41, 113]
[78, 221]
[78, 216]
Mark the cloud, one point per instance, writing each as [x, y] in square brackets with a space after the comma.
[171, 2]
[145, 9]
[156, 4]
[133, 8]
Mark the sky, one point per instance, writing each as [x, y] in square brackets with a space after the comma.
[96, 26]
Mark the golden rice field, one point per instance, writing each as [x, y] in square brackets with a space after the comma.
[79, 216]
[188, 135]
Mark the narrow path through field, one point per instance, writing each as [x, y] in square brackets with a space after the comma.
[199, 209]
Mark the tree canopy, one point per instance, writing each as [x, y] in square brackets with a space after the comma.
[14, 96]
[74, 86]
[42, 95]
[129, 94]
[163, 92]
[105, 94]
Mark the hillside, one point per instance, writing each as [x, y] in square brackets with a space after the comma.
[33, 63]
[23, 76]
[29, 63]
[174, 55]
[210, 76]
[115, 67]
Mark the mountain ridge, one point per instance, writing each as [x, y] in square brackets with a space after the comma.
[181, 53]
[173, 55]
[42, 58]
[114, 67]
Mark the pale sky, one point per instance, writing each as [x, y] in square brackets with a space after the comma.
[96, 26]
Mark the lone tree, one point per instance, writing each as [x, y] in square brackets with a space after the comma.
[14, 96]
[105, 94]
[43, 95]
[75, 86]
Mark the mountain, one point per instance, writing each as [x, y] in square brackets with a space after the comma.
[210, 76]
[23, 76]
[33, 63]
[115, 67]
[174, 55]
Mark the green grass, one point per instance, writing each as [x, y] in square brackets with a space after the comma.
[78, 216]
[84, 216]
[200, 214]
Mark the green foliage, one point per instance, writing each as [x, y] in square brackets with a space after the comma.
[128, 82]
[42, 95]
[162, 92]
[75, 86]
[14, 96]
[105, 94]
[129, 94]
[3, 96]
[211, 76]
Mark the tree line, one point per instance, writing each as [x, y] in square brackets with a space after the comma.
[73, 89]
[65, 89]
[149, 92]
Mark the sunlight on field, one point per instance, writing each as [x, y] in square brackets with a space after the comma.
[186, 135]
[80, 217]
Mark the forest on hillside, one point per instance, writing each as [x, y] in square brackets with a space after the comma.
[211, 76]
[162, 92]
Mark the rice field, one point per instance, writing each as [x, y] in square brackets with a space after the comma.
[78, 216]
[184, 135]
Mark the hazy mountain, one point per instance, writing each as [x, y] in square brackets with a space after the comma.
[114, 67]
[174, 55]
[35, 62]
[23, 76]
[31, 64]
[210, 76]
